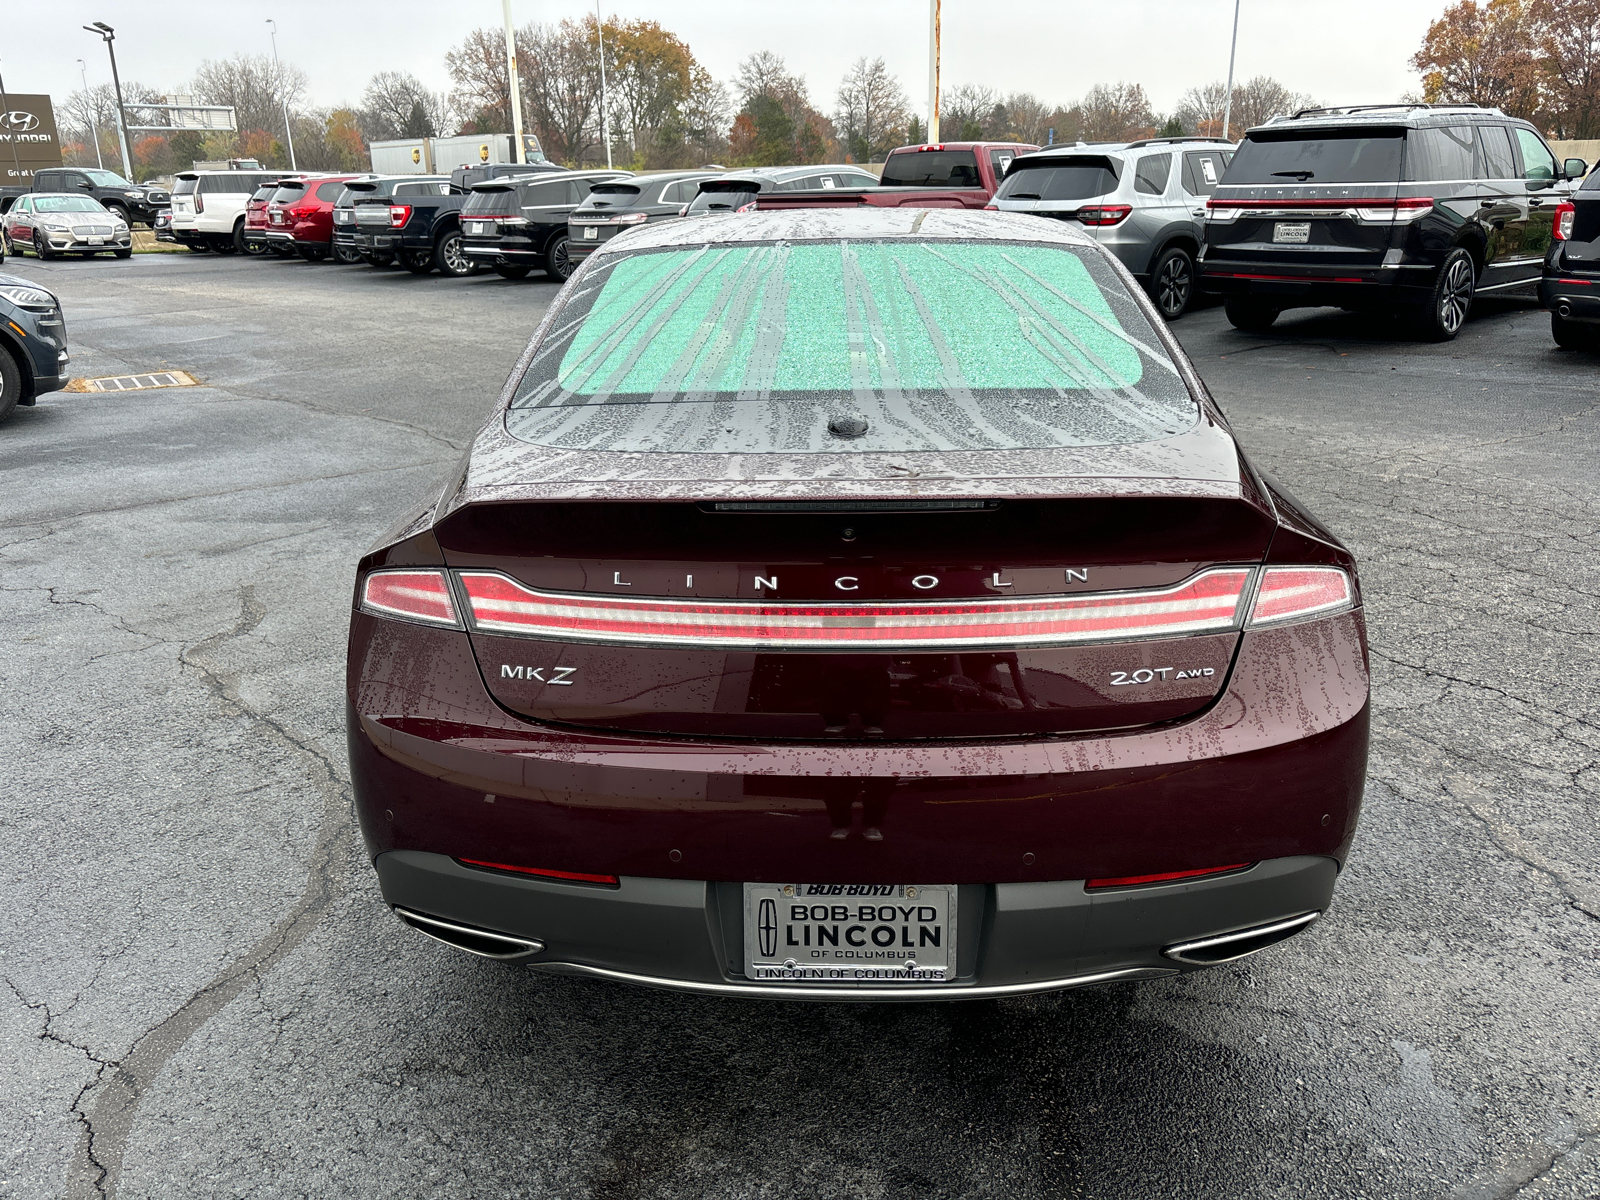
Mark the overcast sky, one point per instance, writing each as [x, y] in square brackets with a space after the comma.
[1353, 51]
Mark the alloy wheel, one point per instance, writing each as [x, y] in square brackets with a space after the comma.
[455, 258]
[1455, 297]
[560, 264]
[1173, 286]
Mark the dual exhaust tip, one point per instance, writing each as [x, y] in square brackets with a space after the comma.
[1201, 952]
[484, 943]
[1228, 947]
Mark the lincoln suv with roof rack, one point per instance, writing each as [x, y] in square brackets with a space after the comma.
[1410, 207]
[1143, 201]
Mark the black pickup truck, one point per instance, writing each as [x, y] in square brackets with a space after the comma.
[130, 201]
[424, 233]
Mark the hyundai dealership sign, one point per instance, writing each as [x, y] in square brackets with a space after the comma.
[28, 140]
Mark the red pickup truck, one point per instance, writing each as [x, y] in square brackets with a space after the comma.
[942, 175]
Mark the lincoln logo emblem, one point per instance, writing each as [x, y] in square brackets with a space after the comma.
[767, 923]
[18, 121]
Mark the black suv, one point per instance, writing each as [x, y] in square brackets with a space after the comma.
[620, 204]
[516, 225]
[430, 235]
[1412, 206]
[1570, 288]
[130, 201]
[33, 343]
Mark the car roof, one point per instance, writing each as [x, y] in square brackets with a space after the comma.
[1154, 145]
[1410, 116]
[814, 224]
[37, 195]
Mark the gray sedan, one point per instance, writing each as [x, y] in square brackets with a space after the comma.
[50, 224]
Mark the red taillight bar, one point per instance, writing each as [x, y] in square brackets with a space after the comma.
[1290, 593]
[1163, 877]
[1103, 214]
[1209, 602]
[414, 595]
[545, 873]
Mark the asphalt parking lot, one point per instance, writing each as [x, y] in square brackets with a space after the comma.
[205, 996]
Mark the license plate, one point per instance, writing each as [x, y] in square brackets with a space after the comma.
[1298, 233]
[832, 933]
[591, 231]
[477, 227]
[94, 241]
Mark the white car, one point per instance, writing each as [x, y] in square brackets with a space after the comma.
[208, 208]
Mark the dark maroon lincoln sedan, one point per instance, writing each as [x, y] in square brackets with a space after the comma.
[858, 604]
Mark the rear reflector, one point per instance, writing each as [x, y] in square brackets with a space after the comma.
[1289, 593]
[1207, 603]
[416, 595]
[1164, 877]
[544, 873]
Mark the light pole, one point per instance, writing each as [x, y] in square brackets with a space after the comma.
[605, 119]
[1227, 106]
[283, 96]
[109, 35]
[94, 130]
[517, 154]
[933, 71]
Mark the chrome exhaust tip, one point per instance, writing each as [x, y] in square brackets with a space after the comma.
[1227, 947]
[1563, 311]
[484, 943]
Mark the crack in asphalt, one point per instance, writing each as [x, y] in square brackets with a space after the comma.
[1533, 1166]
[1585, 897]
[97, 1160]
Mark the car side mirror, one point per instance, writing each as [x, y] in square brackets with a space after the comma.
[1574, 168]
[85, 185]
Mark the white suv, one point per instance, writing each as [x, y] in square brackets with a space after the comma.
[208, 208]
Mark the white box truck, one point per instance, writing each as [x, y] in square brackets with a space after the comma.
[439, 156]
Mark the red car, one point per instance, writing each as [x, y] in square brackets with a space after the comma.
[840, 606]
[255, 221]
[300, 214]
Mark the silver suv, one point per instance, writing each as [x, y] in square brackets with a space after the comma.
[1143, 201]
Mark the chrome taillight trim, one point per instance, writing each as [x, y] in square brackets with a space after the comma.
[1325, 608]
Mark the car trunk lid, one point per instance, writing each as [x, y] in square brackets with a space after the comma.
[826, 620]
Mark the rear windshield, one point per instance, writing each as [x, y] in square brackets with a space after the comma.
[615, 189]
[184, 187]
[287, 192]
[1326, 156]
[263, 193]
[1592, 182]
[1059, 179]
[936, 345]
[720, 201]
[932, 168]
[490, 200]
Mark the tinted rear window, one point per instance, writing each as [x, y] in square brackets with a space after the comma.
[1439, 155]
[184, 187]
[1326, 156]
[261, 193]
[491, 200]
[932, 168]
[941, 345]
[720, 201]
[1059, 179]
[288, 193]
[329, 191]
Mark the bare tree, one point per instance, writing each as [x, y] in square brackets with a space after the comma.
[1257, 102]
[482, 92]
[257, 90]
[965, 109]
[1200, 110]
[871, 115]
[561, 86]
[397, 104]
[1117, 112]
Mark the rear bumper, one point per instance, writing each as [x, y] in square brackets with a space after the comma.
[1012, 938]
[1574, 297]
[1294, 287]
